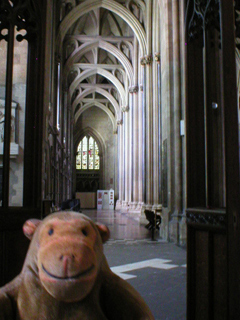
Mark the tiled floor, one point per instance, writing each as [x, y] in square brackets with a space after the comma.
[121, 226]
[156, 269]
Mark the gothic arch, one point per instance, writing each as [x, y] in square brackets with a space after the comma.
[101, 145]
[97, 70]
[105, 46]
[96, 136]
[113, 6]
[94, 20]
[101, 106]
[102, 92]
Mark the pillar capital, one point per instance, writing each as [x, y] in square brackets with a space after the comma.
[146, 60]
[157, 57]
[125, 109]
[133, 89]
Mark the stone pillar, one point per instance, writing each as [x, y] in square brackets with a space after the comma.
[174, 223]
[130, 152]
[141, 141]
[182, 223]
[143, 136]
[120, 166]
[156, 134]
[115, 165]
[126, 164]
[135, 160]
[65, 143]
[149, 107]
[69, 150]
[135, 146]
[72, 151]
[156, 108]
[69, 162]
[148, 143]
[166, 112]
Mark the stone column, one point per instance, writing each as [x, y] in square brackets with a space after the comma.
[134, 146]
[149, 107]
[174, 223]
[166, 113]
[120, 165]
[141, 140]
[147, 61]
[182, 223]
[135, 160]
[156, 108]
[72, 150]
[65, 143]
[142, 155]
[126, 164]
[130, 152]
[68, 147]
[134, 93]
[156, 134]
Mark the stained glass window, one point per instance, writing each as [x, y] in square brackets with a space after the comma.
[87, 154]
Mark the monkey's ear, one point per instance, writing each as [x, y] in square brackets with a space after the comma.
[104, 232]
[30, 227]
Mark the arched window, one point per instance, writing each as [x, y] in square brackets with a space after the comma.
[87, 154]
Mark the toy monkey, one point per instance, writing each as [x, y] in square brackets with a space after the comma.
[65, 276]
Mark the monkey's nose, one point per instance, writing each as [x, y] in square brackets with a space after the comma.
[68, 256]
[65, 259]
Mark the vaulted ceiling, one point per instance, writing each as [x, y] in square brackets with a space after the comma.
[98, 49]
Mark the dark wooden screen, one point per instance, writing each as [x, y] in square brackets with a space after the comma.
[213, 236]
[87, 181]
[27, 15]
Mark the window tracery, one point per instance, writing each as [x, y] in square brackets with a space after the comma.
[88, 154]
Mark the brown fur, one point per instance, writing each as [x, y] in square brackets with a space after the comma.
[65, 276]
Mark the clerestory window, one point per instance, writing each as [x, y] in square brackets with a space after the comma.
[87, 154]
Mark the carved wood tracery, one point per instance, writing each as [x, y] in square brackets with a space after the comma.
[204, 15]
[21, 14]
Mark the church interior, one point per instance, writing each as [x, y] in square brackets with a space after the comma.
[137, 100]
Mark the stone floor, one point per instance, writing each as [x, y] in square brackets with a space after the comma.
[121, 226]
[157, 269]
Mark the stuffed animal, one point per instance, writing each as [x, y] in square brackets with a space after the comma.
[66, 276]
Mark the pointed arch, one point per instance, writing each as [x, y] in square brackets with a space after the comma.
[94, 21]
[79, 135]
[113, 6]
[101, 106]
[102, 92]
[102, 45]
[109, 16]
[106, 74]
[96, 136]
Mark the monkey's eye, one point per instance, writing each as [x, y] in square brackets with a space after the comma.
[50, 231]
[84, 232]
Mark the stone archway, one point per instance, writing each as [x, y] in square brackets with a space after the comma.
[90, 180]
[87, 181]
